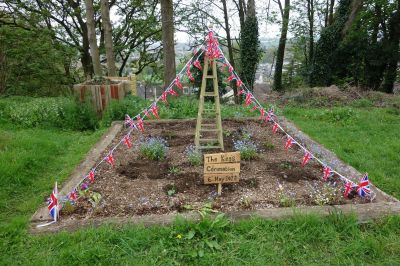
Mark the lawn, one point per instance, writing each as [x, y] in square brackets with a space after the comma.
[31, 159]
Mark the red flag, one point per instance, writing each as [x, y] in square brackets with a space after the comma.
[307, 157]
[241, 92]
[239, 83]
[146, 113]
[275, 127]
[73, 195]
[91, 175]
[189, 74]
[164, 97]
[127, 141]
[197, 64]
[348, 187]
[110, 159]
[231, 77]
[140, 124]
[230, 69]
[248, 99]
[289, 143]
[262, 113]
[172, 92]
[327, 172]
[154, 110]
[178, 83]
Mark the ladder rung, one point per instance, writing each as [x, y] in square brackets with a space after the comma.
[208, 140]
[209, 77]
[207, 125]
[209, 147]
[209, 130]
[209, 94]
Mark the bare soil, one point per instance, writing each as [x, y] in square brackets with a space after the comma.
[138, 186]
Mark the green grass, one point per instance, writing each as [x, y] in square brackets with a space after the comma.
[366, 138]
[32, 159]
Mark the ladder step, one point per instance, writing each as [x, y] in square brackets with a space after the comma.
[209, 140]
[207, 125]
[209, 94]
[209, 77]
[209, 130]
[209, 147]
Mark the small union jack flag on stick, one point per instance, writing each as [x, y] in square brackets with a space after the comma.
[363, 188]
[289, 143]
[306, 158]
[110, 159]
[91, 175]
[348, 188]
[53, 204]
[327, 172]
[73, 195]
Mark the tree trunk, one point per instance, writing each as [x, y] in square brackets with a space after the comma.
[230, 49]
[241, 13]
[167, 16]
[330, 18]
[108, 41]
[281, 48]
[393, 55]
[355, 9]
[251, 8]
[94, 49]
[310, 13]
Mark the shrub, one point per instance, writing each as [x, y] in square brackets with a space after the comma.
[153, 148]
[247, 149]
[194, 155]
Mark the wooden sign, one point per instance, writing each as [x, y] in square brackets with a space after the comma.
[221, 168]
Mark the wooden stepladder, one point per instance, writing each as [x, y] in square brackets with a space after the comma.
[209, 125]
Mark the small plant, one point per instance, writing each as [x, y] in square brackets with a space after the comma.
[227, 133]
[268, 146]
[174, 169]
[94, 198]
[68, 208]
[246, 133]
[247, 149]
[326, 195]
[153, 148]
[285, 200]
[245, 202]
[194, 155]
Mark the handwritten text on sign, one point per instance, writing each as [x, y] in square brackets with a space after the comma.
[221, 168]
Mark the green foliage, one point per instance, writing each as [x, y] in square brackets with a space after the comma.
[34, 64]
[153, 148]
[60, 112]
[194, 156]
[247, 149]
[250, 52]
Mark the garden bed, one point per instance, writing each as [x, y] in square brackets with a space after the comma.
[138, 187]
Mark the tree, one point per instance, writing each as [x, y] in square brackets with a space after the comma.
[250, 52]
[108, 41]
[94, 49]
[282, 43]
[167, 22]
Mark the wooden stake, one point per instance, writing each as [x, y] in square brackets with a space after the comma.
[219, 189]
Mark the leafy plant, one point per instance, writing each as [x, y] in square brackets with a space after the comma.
[194, 155]
[268, 146]
[153, 148]
[247, 149]
[174, 170]
[285, 199]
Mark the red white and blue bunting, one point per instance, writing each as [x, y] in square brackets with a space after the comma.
[212, 50]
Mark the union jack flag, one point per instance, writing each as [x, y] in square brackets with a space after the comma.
[164, 97]
[128, 141]
[154, 111]
[327, 172]
[110, 159]
[197, 64]
[363, 188]
[239, 83]
[189, 74]
[172, 92]
[275, 127]
[241, 92]
[307, 157]
[289, 142]
[178, 83]
[128, 121]
[53, 203]
[73, 195]
[248, 99]
[140, 124]
[231, 77]
[91, 175]
[262, 113]
[348, 188]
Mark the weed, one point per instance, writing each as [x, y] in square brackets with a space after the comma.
[174, 170]
[268, 146]
[153, 148]
[286, 199]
